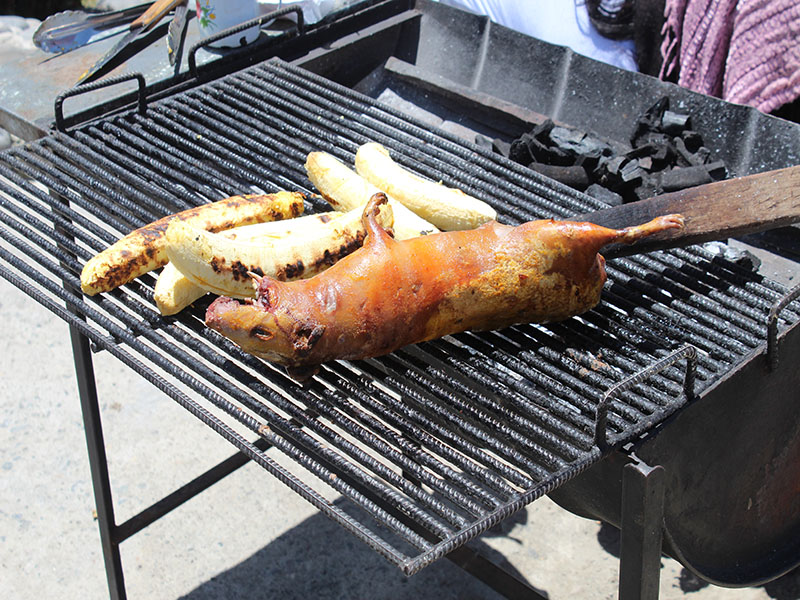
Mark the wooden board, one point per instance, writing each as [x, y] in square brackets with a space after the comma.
[715, 211]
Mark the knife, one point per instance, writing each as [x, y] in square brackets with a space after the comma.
[176, 34]
[139, 37]
[714, 211]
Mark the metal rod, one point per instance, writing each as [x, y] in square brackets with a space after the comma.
[688, 352]
[186, 492]
[497, 578]
[98, 464]
[641, 531]
[92, 424]
[772, 326]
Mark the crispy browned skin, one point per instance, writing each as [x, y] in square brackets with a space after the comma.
[143, 249]
[392, 293]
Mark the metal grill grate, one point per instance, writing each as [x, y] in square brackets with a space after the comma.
[429, 446]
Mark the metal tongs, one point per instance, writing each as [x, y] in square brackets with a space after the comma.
[68, 30]
[71, 29]
[138, 37]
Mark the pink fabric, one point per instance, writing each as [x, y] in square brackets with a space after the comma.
[745, 51]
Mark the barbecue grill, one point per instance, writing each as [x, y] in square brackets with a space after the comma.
[436, 443]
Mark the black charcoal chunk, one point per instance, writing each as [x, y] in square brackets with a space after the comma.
[692, 139]
[574, 177]
[665, 154]
[717, 170]
[674, 123]
[631, 171]
[501, 147]
[598, 191]
[518, 151]
[684, 177]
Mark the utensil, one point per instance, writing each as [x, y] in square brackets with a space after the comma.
[138, 38]
[70, 29]
[176, 34]
[714, 211]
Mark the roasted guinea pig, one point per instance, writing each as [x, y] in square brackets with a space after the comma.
[391, 293]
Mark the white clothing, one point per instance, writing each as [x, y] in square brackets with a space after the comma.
[562, 22]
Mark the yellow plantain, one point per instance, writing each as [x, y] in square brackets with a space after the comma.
[174, 292]
[142, 250]
[223, 266]
[344, 189]
[447, 208]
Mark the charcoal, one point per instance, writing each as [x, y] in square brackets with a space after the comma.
[601, 193]
[703, 155]
[649, 187]
[619, 174]
[741, 256]
[654, 139]
[717, 170]
[518, 151]
[569, 140]
[650, 121]
[590, 162]
[645, 150]
[686, 158]
[685, 177]
[692, 139]
[536, 147]
[613, 165]
[666, 154]
[575, 177]
[631, 171]
[542, 131]
[674, 123]
[551, 155]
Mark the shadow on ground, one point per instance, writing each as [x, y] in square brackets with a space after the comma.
[783, 588]
[317, 559]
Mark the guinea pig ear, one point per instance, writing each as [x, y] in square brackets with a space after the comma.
[377, 206]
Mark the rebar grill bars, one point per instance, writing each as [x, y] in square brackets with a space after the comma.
[429, 446]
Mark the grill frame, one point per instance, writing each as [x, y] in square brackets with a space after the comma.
[433, 154]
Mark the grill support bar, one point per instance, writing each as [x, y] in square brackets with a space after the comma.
[98, 464]
[641, 531]
[111, 534]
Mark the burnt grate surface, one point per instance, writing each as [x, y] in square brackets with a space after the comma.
[429, 446]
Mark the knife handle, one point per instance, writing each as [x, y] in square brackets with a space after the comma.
[155, 13]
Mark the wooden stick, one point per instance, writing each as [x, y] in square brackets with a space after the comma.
[715, 211]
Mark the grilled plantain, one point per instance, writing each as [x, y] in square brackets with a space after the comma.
[174, 292]
[447, 208]
[224, 266]
[344, 189]
[142, 250]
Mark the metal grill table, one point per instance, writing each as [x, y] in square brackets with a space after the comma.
[429, 446]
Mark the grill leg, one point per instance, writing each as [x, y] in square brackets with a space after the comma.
[641, 531]
[98, 464]
[497, 578]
